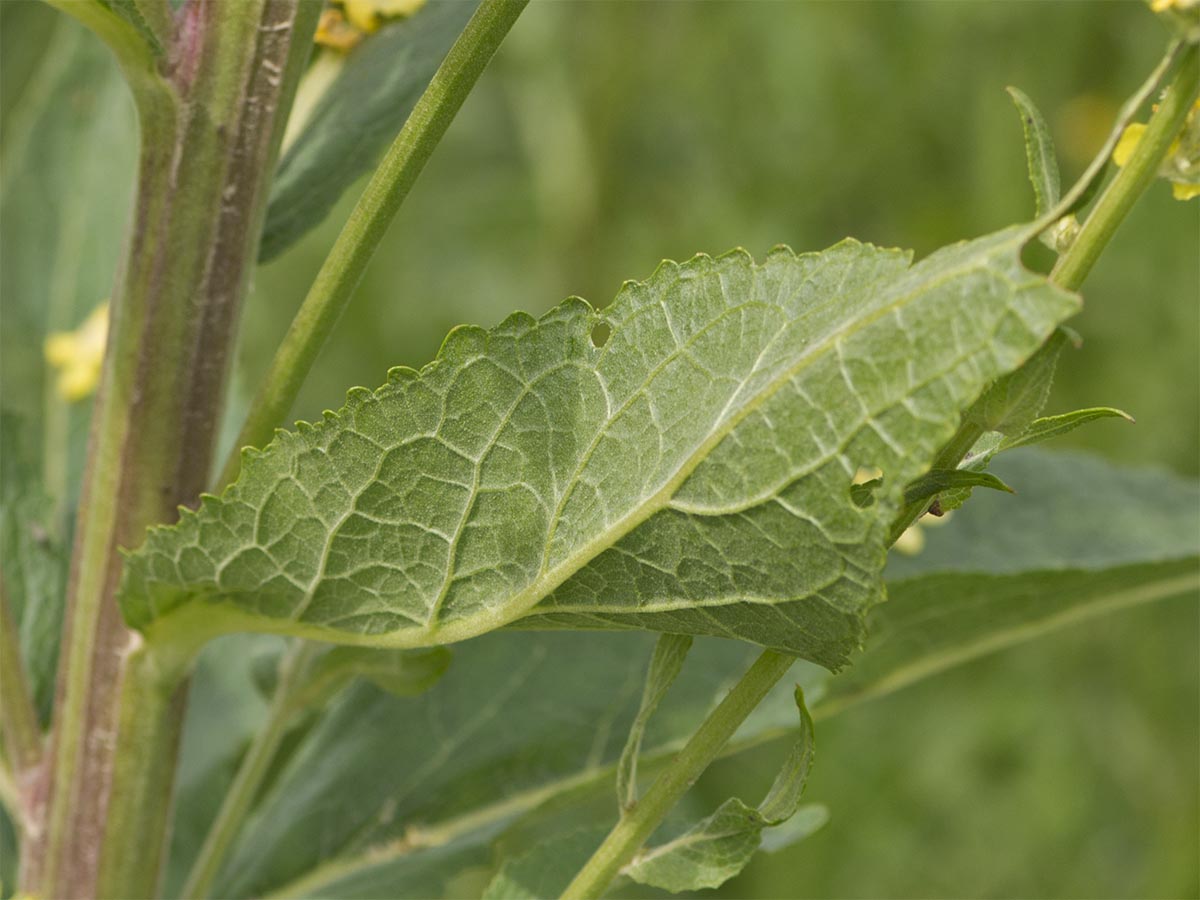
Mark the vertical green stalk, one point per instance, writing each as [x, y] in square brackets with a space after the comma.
[1133, 179]
[211, 112]
[636, 825]
[153, 693]
[368, 222]
[251, 772]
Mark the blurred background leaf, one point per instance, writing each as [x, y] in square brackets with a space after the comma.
[67, 152]
[353, 122]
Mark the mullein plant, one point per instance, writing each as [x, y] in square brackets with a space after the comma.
[721, 457]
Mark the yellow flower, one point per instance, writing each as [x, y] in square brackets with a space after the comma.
[911, 542]
[1127, 143]
[1182, 164]
[365, 14]
[1164, 5]
[344, 24]
[334, 32]
[79, 355]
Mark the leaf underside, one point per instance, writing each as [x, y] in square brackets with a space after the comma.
[692, 475]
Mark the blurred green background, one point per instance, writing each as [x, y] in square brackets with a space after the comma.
[608, 135]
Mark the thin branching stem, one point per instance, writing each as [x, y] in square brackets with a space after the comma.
[251, 772]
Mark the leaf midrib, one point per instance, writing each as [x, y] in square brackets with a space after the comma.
[550, 579]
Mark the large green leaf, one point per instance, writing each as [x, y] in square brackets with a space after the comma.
[396, 797]
[456, 764]
[357, 118]
[691, 475]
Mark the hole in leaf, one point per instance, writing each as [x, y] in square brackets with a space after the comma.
[862, 487]
[600, 334]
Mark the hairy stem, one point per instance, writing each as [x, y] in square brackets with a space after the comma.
[153, 692]
[211, 115]
[251, 773]
[368, 222]
[637, 825]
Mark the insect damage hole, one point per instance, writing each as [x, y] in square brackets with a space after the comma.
[863, 485]
[600, 333]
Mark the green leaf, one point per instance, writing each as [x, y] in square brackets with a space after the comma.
[369, 801]
[1039, 153]
[1053, 426]
[715, 849]
[547, 869]
[128, 11]
[451, 769]
[940, 621]
[1015, 400]
[669, 654]
[35, 562]
[938, 480]
[67, 157]
[357, 118]
[690, 476]
[1083, 538]
[403, 673]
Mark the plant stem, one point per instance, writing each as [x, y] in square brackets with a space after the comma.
[210, 125]
[368, 222]
[1137, 174]
[636, 826]
[18, 715]
[639, 823]
[151, 705]
[251, 773]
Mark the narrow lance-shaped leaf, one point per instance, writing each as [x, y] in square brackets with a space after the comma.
[715, 849]
[128, 11]
[1055, 426]
[1014, 401]
[690, 476]
[938, 480]
[1008, 412]
[669, 654]
[1039, 152]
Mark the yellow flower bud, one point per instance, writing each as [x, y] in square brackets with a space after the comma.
[78, 355]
